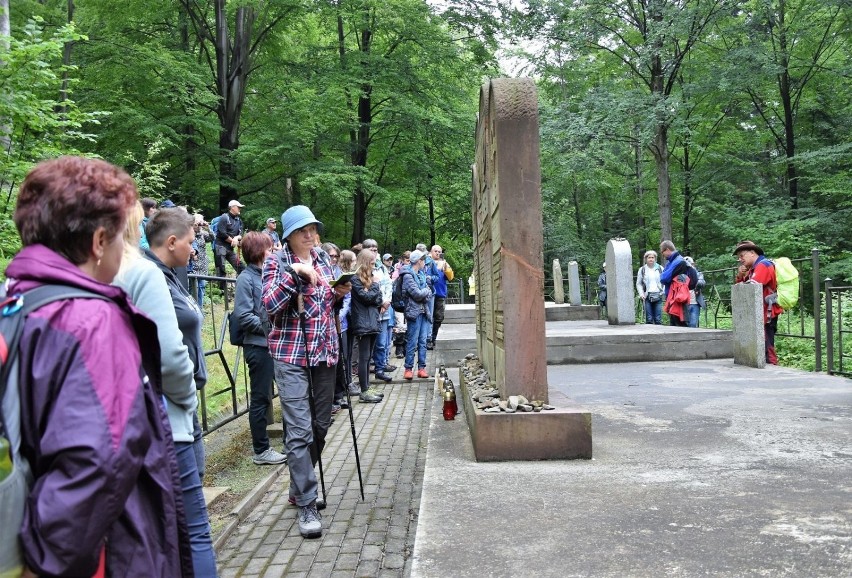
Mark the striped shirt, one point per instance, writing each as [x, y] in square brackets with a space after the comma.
[280, 299]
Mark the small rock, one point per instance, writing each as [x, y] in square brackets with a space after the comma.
[525, 407]
[514, 401]
[548, 406]
[493, 410]
[509, 410]
[522, 400]
[536, 408]
[503, 403]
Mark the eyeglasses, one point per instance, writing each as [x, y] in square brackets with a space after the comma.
[333, 255]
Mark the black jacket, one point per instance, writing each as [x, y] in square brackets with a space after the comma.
[364, 314]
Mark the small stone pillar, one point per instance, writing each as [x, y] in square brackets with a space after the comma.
[747, 317]
[620, 305]
[574, 283]
[558, 290]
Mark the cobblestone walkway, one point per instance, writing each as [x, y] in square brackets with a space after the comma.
[374, 537]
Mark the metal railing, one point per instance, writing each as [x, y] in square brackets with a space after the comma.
[838, 328]
[217, 302]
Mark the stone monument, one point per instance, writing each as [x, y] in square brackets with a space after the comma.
[509, 265]
[574, 283]
[747, 317]
[620, 304]
[558, 290]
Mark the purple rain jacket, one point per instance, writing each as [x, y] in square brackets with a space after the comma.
[95, 432]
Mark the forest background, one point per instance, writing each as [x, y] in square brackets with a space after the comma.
[703, 121]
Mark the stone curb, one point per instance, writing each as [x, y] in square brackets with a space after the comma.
[246, 505]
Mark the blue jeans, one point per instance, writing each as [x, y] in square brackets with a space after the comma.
[654, 312]
[201, 285]
[203, 558]
[430, 307]
[301, 451]
[693, 312]
[415, 339]
[380, 350]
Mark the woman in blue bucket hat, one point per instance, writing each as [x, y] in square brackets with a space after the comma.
[303, 358]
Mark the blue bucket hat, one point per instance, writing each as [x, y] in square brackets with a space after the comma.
[295, 218]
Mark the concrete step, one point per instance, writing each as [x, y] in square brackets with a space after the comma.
[572, 342]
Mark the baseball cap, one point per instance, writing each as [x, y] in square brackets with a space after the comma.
[235, 203]
[167, 204]
[271, 220]
[387, 256]
[417, 255]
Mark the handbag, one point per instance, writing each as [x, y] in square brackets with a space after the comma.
[654, 296]
[235, 329]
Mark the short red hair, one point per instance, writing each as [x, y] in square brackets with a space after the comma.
[63, 201]
[254, 246]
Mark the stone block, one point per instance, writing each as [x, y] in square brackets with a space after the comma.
[620, 304]
[574, 288]
[747, 316]
[558, 290]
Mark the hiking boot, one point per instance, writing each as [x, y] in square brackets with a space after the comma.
[269, 457]
[383, 376]
[319, 502]
[310, 521]
[367, 397]
[422, 373]
[390, 368]
[409, 375]
[376, 392]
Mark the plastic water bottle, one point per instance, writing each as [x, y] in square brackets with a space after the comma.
[5, 459]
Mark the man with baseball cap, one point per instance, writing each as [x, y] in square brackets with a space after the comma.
[271, 225]
[229, 233]
[762, 270]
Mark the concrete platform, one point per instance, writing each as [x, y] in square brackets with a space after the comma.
[701, 468]
[552, 312]
[571, 342]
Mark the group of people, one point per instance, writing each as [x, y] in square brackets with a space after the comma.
[108, 421]
[678, 288]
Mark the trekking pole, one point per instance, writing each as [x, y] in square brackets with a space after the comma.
[354, 436]
[303, 322]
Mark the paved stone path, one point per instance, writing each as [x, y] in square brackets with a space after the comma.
[374, 537]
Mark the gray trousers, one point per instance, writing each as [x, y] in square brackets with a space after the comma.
[301, 453]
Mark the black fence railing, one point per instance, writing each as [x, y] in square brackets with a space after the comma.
[838, 329]
[224, 398]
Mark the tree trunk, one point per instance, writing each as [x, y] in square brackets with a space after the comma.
[787, 102]
[687, 195]
[640, 190]
[5, 34]
[360, 141]
[232, 67]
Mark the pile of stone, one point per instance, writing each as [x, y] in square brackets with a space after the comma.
[486, 396]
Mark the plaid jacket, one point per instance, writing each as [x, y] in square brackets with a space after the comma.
[280, 299]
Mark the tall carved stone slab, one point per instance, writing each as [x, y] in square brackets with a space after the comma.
[620, 304]
[508, 238]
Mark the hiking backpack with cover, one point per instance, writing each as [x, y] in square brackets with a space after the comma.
[398, 298]
[787, 277]
[15, 476]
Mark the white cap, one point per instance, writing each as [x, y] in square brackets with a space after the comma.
[235, 203]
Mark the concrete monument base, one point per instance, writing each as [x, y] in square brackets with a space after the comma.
[564, 433]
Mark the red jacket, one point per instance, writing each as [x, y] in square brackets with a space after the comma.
[763, 272]
[678, 298]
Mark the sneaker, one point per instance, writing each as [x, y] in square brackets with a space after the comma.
[389, 368]
[400, 354]
[343, 404]
[269, 457]
[376, 392]
[383, 377]
[367, 397]
[335, 409]
[408, 374]
[354, 388]
[430, 345]
[422, 373]
[310, 521]
[319, 502]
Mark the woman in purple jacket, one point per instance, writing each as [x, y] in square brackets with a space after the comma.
[94, 430]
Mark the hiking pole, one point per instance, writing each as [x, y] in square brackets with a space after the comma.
[303, 322]
[352, 425]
